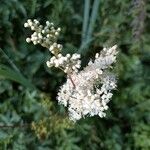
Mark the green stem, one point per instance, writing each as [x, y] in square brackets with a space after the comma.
[85, 43]
[93, 18]
[85, 20]
[33, 7]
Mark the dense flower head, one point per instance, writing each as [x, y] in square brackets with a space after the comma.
[86, 92]
[93, 86]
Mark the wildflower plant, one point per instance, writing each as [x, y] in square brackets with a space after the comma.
[86, 92]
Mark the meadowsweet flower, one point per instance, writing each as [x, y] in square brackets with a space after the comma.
[88, 98]
[86, 92]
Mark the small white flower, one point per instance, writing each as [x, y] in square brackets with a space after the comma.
[51, 48]
[56, 33]
[68, 55]
[30, 23]
[26, 25]
[59, 29]
[47, 23]
[59, 46]
[34, 42]
[97, 55]
[32, 28]
[28, 40]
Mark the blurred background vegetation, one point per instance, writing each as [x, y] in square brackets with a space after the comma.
[30, 117]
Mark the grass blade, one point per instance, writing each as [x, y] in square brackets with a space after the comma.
[87, 38]
[93, 18]
[8, 73]
[10, 61]
[15, 74]
[85, 20]
[33, 7]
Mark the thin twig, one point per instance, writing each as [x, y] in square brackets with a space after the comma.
[72, 81]
[69, 77]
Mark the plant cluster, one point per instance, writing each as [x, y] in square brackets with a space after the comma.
[81, 93]
[28, 88]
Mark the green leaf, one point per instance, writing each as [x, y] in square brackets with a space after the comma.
[8, 73]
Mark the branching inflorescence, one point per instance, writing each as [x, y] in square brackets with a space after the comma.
[86, 92]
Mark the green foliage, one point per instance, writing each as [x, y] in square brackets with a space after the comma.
[30, 118]
[8, 73]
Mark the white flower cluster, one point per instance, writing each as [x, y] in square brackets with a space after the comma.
[46, 36]
[92, 89]
[86, 92]
[67, 63]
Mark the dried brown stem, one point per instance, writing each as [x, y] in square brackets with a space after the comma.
[72, 81]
